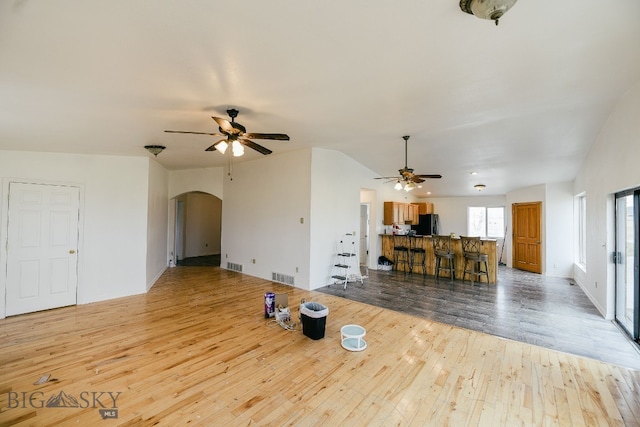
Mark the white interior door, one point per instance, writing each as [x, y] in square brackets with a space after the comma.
[42, 247]
[364, 233]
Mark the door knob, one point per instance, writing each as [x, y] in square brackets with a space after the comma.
[71, 251]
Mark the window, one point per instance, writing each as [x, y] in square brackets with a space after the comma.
[485, 222]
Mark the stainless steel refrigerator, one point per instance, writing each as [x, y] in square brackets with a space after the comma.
[427, 225]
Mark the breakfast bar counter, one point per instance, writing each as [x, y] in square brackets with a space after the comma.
[488, 246]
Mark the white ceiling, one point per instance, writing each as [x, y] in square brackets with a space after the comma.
[520, 103]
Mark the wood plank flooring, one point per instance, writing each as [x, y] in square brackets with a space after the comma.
[523, 306]
[196, 349]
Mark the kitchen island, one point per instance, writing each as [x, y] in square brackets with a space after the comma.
[488, 246]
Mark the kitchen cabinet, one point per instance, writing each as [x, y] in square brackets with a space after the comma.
[400, 213]
[424, 207]
[412, 214]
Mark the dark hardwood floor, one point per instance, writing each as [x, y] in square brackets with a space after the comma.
[550, 312]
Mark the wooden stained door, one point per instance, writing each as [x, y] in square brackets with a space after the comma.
[527, 241]
[42, 247]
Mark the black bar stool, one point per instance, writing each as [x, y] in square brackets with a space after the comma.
[418, 254]
[472, 255]
[443, 251]
[401, 252]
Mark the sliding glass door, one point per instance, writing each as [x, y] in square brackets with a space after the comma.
[626, 259]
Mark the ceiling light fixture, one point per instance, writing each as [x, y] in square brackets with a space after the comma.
[409, 186]
[487, 9]
[155, 149]
[237, 148]
[222, 146]
[479, 187]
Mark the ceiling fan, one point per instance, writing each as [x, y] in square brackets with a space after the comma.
[407, 180]
[236, 136]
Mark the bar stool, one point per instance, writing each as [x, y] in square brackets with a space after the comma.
[401, 252]
[442, 250]
[471, 253]
[417, 252]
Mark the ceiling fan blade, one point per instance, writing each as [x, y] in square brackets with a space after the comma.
[417, 179]
[432, 176]
[259, 148]
[387, 177]
[195, 133]
[213, 147]
[275, 136]
[225, 125]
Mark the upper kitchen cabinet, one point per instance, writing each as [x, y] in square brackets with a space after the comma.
[424, 207]
[400, 213]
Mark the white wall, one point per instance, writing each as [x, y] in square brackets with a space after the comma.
[559, 237]
[452, 211]
[157, 217]
[335, 210]
[207, 180]
[261, 212]
[268, 197]
[611, 166]
[112, 254]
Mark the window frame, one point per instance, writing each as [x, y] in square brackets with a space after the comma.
[486, 220]
[581, 232]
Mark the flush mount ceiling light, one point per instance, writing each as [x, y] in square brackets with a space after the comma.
[487, 9]
[155, 149]
[479, 187]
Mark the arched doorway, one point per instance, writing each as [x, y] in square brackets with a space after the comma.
[197, 229]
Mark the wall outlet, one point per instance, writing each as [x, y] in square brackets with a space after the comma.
[301, 220]
[296, 269]
[253, 261]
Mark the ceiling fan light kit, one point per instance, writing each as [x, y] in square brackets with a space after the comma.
[221, 146]
[479, 187]
[407, 180]
[236, 136]
[237, 148]
[487, 9]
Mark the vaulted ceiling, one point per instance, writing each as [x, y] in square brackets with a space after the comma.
[520, 103]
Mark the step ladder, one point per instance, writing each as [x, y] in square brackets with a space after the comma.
[345, 266]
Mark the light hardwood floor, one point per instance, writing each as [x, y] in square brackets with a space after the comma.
[197, 349]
